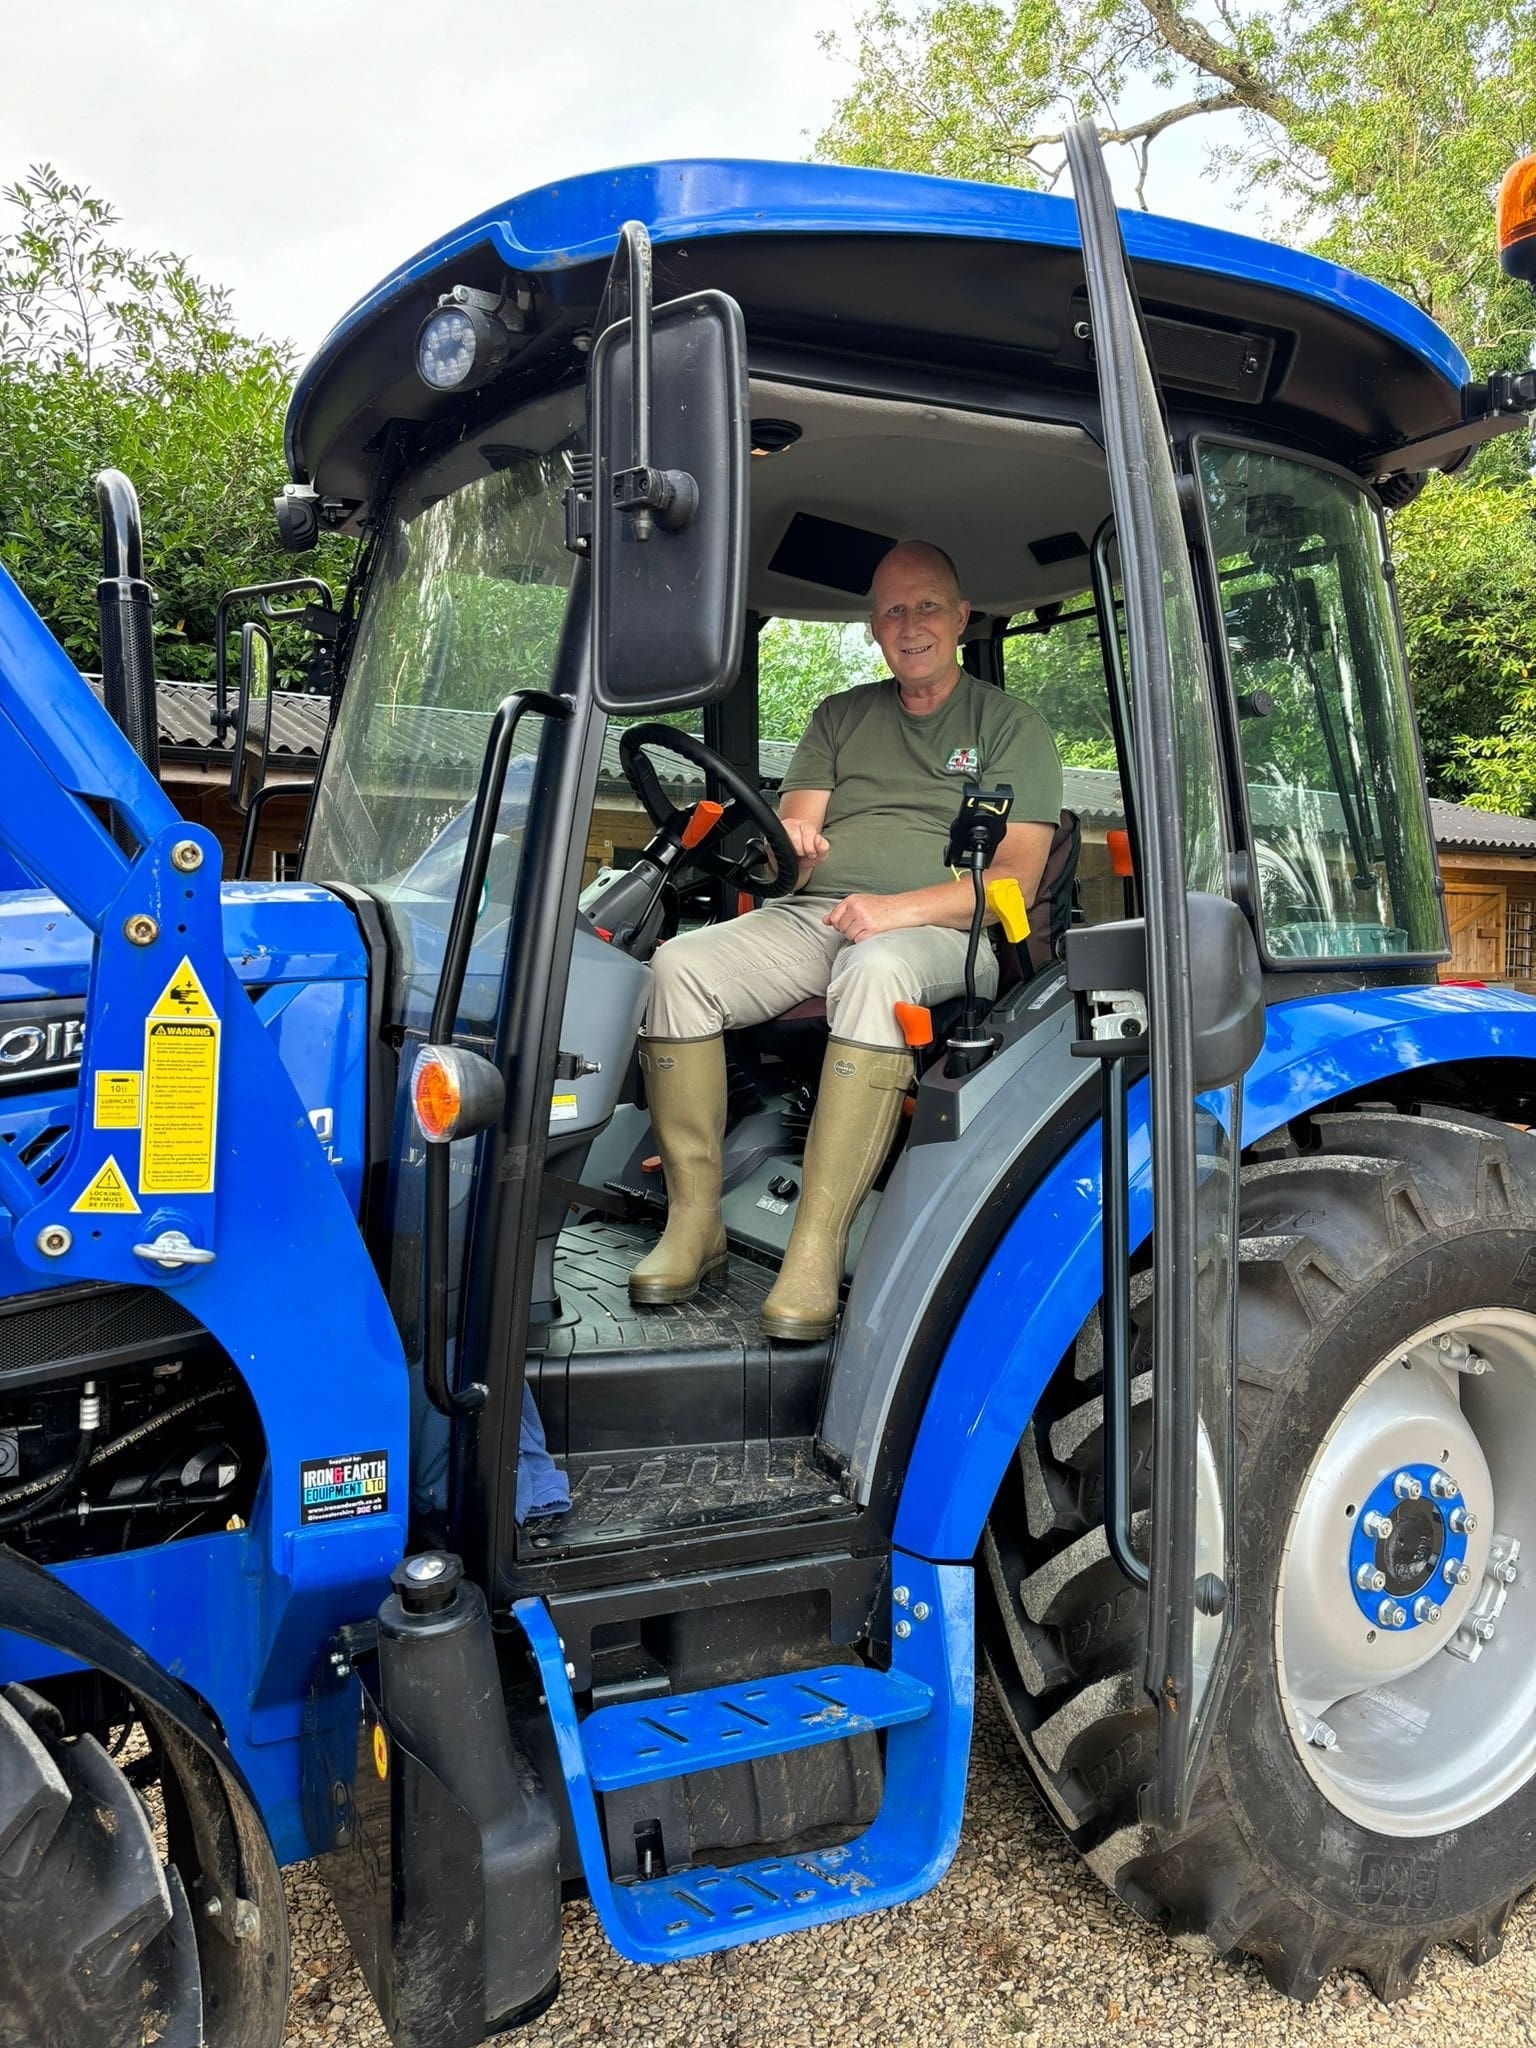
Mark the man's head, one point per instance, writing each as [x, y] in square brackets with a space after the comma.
[916, 613]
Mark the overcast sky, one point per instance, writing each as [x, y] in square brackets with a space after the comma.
[298, 152]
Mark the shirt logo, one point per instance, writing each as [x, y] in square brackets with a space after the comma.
[963, 761]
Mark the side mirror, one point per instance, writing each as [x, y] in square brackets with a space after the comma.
[670, 440]
[1107, 961]
[253, 715]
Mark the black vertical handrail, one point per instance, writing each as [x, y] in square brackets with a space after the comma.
[1115, 1320]
[445, 1010]
[123, 602]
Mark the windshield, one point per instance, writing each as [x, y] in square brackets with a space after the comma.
[1342, 849]
[464, 606]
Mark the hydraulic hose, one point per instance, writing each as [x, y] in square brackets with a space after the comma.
[44, 1493]
[49, 1487]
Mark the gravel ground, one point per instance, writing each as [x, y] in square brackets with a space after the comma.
[1019, 1944]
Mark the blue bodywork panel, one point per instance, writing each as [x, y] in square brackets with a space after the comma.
[576, 220]
[290, 1292]
[1042, 1282]
[903, 1853]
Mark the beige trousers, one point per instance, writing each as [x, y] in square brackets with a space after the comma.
[761, 965]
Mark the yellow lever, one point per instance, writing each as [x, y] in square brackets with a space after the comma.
[1005, 900]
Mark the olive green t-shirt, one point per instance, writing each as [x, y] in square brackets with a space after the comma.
[896, 779]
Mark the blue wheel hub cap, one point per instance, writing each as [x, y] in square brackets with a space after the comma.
[1408, 1547]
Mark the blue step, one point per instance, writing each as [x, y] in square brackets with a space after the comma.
[644, 1740]
[926, 1702]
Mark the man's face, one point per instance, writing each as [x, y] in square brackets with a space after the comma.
[916, 618]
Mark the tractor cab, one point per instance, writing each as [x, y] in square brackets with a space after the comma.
[552, 751]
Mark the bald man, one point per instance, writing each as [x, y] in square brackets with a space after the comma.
[877, 920]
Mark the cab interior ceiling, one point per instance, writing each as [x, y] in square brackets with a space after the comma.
[971, 321]
[1015, 502]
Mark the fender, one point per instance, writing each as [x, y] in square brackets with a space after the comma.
[218, 1839]
[1043, 1280]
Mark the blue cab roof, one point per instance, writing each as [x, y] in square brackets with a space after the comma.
[574, 221]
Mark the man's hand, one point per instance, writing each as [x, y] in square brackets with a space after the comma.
[809, 844]
[861, 917]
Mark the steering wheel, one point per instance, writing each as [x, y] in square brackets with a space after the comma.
[748, 806]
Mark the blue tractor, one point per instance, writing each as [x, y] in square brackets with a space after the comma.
[1186, 1365]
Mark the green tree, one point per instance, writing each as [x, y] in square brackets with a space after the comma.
[111, 357]
[1373, 131]
[800, 661]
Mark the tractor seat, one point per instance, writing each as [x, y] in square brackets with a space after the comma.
[798, 1037]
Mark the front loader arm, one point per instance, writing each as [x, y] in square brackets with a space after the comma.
[190, 1143]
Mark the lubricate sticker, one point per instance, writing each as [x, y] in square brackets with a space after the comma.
[181, 1089]
[380, 1751]
[340, 1489]
[562, 1109]
[106, 1193]
[117, 1101]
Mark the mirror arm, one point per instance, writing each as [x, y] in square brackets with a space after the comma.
[668, 498]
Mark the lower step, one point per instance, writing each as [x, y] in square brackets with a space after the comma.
[642, 1741]
[925, 1702]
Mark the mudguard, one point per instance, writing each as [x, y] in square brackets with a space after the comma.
[217, 1837]
[1041, 1283]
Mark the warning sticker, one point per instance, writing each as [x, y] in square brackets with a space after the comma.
[107, 1193]
[181, 1089]
[562, 1109]
[338, 1489]
[117, 1102]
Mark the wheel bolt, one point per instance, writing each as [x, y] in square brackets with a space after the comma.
[1370, 1580]
[1322, 1736]
[1424, 1609]
[1406, 1487]
[1379, 1526]
[1443, 1486]
[1463, 1521]
[1390, 1615]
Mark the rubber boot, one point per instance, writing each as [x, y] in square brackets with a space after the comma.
[685, 1087]
[857, 1110]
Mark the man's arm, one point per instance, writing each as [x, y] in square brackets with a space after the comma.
[1022, 856]
[802, 813]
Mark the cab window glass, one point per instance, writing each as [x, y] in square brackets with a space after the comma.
[1342, 849]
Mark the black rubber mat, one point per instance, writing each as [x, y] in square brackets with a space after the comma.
[593, 1261]
[640, 1404]
[617, 1497]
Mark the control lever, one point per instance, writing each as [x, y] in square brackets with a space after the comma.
[974, 839]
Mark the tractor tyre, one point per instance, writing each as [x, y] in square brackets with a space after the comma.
[97, 1946]
[1370, 1785]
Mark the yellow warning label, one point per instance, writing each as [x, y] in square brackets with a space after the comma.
[181, 1094]
[181, 1089]
[563, 1109]
[117, 1102]
[185, 996]
[107, 1194]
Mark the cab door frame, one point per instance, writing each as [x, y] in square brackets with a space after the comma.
[1195, 1193]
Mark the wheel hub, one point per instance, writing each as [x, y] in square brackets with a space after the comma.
[1408, 1549]
[1408, 1684]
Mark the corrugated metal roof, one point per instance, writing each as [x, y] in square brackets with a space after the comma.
[1460, 828]
[184, 715]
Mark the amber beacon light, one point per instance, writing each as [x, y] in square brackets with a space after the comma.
[1517, 220]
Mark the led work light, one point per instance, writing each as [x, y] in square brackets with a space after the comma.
[467, 339]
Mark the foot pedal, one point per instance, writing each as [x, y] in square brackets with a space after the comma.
[925, 1701]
